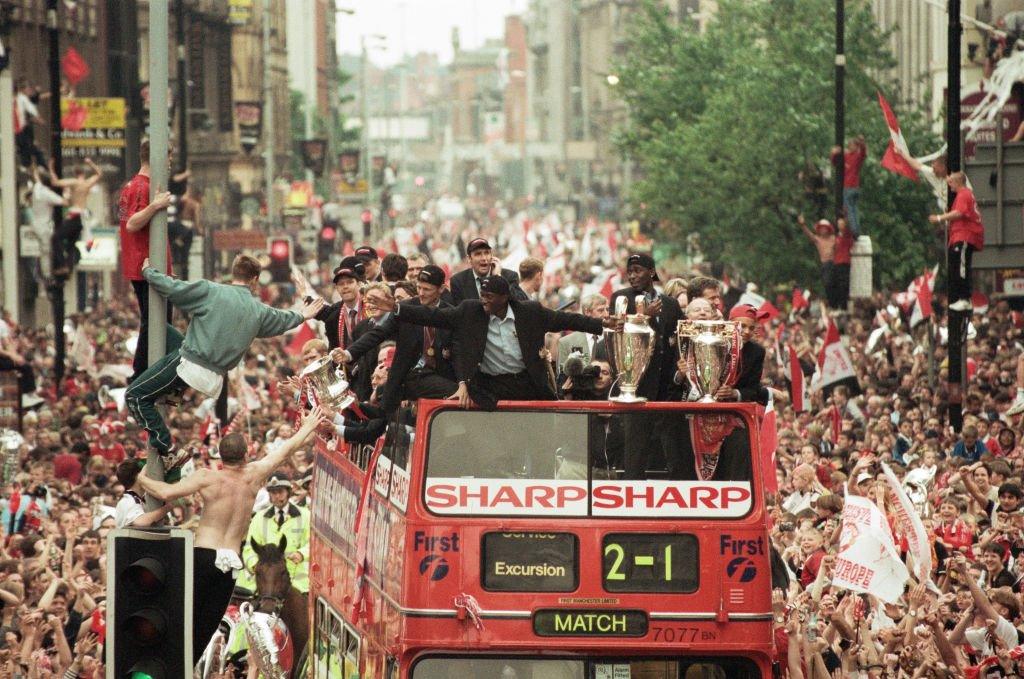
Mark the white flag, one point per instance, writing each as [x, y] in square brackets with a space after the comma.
[911, 526]
[868, 560]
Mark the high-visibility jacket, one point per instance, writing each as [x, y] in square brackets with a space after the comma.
[264, 530]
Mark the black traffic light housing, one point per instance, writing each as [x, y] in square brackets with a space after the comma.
[326, 242]
[149, 608]
[367, 218]
[279, 249]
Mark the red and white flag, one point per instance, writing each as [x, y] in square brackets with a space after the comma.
[834, 362]
[979, 300]
[797, 385]
[919, 294]
[897, 153]
[801, 299]
[769, 441]
[299, 339]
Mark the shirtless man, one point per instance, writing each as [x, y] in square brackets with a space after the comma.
[824, 239]
[76, 219]
[228, 497]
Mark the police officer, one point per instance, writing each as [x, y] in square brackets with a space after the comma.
[281, 518]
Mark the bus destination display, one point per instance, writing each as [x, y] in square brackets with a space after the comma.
[530, 562]
[584, 622]
[649, 562]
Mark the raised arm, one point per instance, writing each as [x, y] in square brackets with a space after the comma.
[262, 469]
[183, 294]
[274, 322]
[803, 225]
[415, 313]
[168, 492]
[97, 173]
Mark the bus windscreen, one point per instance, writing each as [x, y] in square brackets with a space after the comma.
[609, 668]
[644, 464]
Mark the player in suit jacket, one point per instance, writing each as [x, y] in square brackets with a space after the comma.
[481, 264]
[653, 435]
[497, 342]
[595, 306]
[339, 320]
[417, 371]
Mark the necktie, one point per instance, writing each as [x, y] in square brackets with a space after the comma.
[479, 281]
[280, 518]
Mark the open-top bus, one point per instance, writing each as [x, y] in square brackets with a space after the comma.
[507, 544]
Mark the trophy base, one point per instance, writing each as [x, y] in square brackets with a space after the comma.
[628, 398]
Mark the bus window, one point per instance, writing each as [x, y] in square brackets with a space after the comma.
[504, 445]
[613, 668]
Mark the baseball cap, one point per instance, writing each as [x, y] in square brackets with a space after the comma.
[367, 252]
[496, 285]
[477, 244]
[432, 274]
[642, 259]
[352, 267]
[743, 311]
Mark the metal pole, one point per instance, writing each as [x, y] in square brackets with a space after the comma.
[364, 113]
[268, 122]
[182, 89]
[840, 115]
[8, 197]
[957, 320]
[159, 18]
[57, 286]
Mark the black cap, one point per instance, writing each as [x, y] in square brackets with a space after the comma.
[496, 285]
[352, 267]
[367, 252]
[642, 259]
[431, 273]
[477, 244]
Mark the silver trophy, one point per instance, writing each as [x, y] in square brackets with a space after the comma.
[264, 633]
[710, 349]
[328, 382]
[629, 352]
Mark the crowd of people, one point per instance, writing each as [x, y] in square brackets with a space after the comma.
[499, 305]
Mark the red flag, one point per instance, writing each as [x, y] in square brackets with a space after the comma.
[797, 387]
[304, 334]
[920, 295]
[74, 67]
[767, 312]
[769, 442]
[75, 117]
[979, 300]
[896, 154]
[800, 300]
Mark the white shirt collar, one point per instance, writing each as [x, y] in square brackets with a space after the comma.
[509, 315]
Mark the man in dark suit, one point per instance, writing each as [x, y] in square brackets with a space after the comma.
[497, 342]
[653, 435]
[466, 284]
[422, 366]
[341, 318]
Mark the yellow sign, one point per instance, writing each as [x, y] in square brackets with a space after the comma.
[95, 112]
[358, 187]
[239, 11]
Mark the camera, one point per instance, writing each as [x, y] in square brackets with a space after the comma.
[583, 376]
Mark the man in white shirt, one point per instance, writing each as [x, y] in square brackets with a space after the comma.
[131, 508]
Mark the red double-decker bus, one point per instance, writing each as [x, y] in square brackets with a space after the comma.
[509, 544]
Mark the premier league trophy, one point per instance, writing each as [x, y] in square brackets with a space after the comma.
[328, 383]
[270, 645]
[711, 350]
[629, 352]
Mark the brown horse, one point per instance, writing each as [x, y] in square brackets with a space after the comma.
[276, 595]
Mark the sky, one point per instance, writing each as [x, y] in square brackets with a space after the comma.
[413, 26]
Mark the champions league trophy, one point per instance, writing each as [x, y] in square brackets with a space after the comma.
[711, 351]
[629, 352]
[328, 383]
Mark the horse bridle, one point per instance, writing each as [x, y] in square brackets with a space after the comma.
[258, 599]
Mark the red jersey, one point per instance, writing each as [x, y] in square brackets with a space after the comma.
[844, 245]
[852, 162]
[67, 466]
[968, 228]
[957, 534]
[135, 245]
[112, 453]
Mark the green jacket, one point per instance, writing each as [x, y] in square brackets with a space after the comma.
[225, 319]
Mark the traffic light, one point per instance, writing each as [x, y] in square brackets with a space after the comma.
[149, 609]
[280, 251]
[325, 243]
[367, 219]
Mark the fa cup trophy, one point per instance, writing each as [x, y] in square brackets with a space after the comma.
[711, 351]
[629, 352]
[328, 383]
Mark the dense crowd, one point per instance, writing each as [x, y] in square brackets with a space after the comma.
[62, 481]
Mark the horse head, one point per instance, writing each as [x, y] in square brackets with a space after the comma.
[272, 579]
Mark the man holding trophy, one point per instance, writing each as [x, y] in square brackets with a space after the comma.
[648, 435]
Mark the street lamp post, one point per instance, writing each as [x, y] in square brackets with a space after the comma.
[365, 115]
[268, 122]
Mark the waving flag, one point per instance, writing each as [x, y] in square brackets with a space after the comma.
[74, 66]
[896, 154]
[299, 339]
[801, 299]
[920, 295]
[797, 385]
[834, 363]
